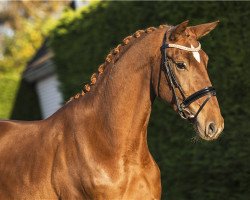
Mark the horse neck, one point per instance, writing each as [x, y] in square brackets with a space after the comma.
[118, 107]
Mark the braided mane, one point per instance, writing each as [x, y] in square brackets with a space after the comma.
[110, 58]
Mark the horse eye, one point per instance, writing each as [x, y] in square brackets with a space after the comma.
[181, 65]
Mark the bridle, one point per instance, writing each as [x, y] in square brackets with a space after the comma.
[182, 106]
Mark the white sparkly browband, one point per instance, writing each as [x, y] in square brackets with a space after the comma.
[184, 48]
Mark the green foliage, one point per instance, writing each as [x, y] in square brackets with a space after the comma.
[8, 85]
[26, 105]
[18, 50]
[18, 99]
[190, 170]
[30, 22]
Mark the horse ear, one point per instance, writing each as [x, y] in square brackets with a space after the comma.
[179, 30]
[203, 29]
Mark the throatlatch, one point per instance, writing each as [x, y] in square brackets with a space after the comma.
[181, 106]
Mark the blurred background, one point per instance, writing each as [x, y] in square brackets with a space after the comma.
[48, 49]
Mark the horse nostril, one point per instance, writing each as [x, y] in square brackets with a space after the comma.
[211, 129]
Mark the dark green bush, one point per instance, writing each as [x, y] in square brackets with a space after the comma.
[26, 106]
[202, 170]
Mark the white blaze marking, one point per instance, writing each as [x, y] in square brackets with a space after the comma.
[196, 55]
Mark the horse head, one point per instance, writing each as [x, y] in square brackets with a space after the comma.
[184, 80]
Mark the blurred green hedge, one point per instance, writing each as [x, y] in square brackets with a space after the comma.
[190, 170]
[26, 105]
[8, 87]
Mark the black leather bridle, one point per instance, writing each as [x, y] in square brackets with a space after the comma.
[174, 84]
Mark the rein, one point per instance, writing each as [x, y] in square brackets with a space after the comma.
[174, 84]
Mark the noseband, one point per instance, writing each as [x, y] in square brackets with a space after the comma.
[174, 84]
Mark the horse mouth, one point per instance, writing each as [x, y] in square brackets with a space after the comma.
[204, 133]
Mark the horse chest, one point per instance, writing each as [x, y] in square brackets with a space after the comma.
[132, 182]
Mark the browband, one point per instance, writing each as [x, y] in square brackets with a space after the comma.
[182, 47]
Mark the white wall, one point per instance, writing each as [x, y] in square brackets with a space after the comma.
[50, 98]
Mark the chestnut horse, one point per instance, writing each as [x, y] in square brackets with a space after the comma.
[95, 146]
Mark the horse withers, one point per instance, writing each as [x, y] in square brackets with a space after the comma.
[95, 146]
